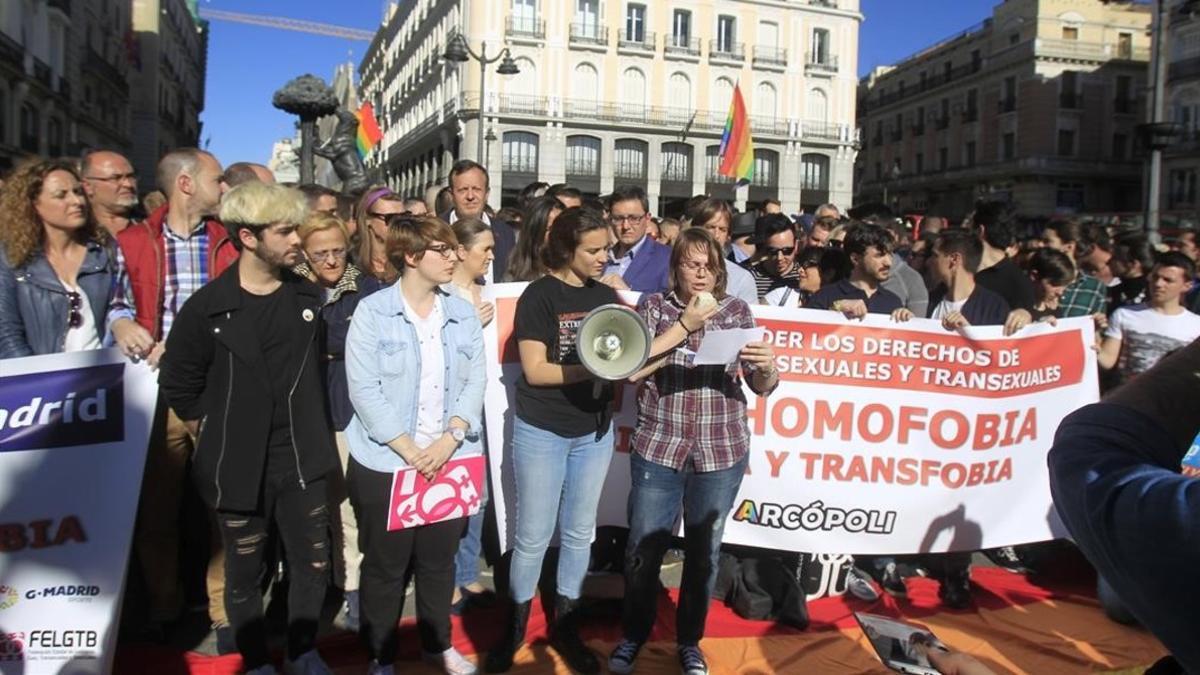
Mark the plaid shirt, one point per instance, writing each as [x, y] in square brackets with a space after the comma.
[1083, 297]
[186, 271]
[688, 413]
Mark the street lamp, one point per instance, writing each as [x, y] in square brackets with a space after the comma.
[459, 51]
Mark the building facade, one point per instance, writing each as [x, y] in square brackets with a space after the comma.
[613, 92]
[1181, 162]
[1038, 105]
[64, 77]
[167, 82]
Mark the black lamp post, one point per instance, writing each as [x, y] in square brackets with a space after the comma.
[459, 51]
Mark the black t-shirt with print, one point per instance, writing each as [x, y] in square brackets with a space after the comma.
[549, 311]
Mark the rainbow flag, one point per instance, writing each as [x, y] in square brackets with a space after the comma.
[737, 147]
[368, 129]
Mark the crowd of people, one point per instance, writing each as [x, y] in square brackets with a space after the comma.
[291, 418]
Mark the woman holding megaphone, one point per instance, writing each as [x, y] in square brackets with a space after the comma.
[689, 448]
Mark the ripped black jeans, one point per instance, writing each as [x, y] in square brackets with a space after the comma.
[302, 519]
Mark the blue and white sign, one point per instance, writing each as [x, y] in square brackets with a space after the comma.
[73, 435]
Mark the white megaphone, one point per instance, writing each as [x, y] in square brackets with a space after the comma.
[613, 342]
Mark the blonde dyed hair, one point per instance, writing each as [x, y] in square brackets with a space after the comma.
[256, 206]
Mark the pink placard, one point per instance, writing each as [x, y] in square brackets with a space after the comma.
[454, 493]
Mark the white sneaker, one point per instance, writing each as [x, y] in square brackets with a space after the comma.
[308, 663]
[376, 669]
[451, 662]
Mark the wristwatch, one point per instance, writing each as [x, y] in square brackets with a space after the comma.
[457, 433]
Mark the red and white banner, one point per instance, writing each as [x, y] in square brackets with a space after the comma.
[882, 438]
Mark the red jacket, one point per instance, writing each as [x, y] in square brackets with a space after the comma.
[144, 250]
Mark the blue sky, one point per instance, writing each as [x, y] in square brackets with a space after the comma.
[246, 64]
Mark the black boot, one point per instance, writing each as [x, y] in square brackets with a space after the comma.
[500, 659]
[564, 637]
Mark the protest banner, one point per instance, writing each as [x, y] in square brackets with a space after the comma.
[73, 434]
[882, 437]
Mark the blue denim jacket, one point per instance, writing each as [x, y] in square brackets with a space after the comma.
[34, 306]
[383, 368]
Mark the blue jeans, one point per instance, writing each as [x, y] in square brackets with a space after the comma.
[658, 492]
[466, 561]
[559, 481]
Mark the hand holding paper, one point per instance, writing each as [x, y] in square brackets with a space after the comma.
[722, 347]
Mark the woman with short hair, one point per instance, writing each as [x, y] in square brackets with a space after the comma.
[326, 246]
[61, 286]
[690, 447]
[414, 365]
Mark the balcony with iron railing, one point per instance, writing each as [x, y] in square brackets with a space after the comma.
[831, 4]
[582, 167]
[1075, 50]
[589, 34]
[820, 64]
[640, 41]
[726, 51]
[681, 45]
[770, 57]
[528, 28]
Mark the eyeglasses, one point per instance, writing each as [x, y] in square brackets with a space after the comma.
[115, 178]
[620, 220]
[75, 302]
[444, 250]
[695, 267]
[774, 251]
[333, 256]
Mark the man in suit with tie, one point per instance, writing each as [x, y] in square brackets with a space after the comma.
[636, 262]
[469, 186]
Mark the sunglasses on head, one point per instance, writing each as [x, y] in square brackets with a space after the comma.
[75, 302]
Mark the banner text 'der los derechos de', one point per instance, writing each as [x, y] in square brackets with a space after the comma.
[862, 356]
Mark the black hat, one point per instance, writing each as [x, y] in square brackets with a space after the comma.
[743, 224]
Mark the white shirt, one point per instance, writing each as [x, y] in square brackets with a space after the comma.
[946, 308]
[431, 402]
[83, 337]
[740, 283]
[1147, 335]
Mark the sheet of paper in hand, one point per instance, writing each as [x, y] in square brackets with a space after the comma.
[456, 492]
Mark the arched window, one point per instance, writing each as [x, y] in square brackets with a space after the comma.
[583, 156]
[712, 165]
[765, 101]
[722, 94]
[585, 87]
[677, 162]
[816, 108]
[814, 172]
[520, 152]
[679, 92]
[629, 159]
[524, 83]
[766, 168]
[633, 91]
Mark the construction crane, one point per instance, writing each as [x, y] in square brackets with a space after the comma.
[285, 23]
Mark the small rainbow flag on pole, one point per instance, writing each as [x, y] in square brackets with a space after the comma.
[368, 129]
[737, 147]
